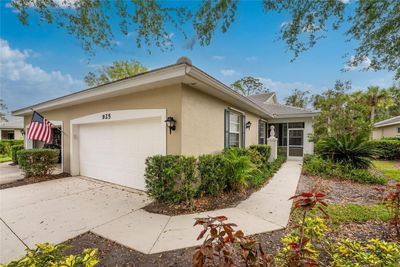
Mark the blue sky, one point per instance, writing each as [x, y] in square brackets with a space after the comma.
[40, 62]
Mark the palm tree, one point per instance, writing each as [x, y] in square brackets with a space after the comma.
[374, 96]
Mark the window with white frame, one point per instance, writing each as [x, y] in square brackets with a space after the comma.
[235, 127]
[262, 128]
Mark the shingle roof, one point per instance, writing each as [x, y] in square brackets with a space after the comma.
[279, 109]
[391, 121]
[12, 122]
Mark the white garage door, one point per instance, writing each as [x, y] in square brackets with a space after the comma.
[116, 151]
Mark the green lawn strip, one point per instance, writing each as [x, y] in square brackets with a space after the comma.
[350, 213]
[4, 158]
[388, 168]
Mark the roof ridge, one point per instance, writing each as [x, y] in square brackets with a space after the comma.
[279, 104]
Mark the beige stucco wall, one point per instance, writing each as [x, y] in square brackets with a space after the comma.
[387, 131]
[18, 134]
[203, 123]
[168, 98]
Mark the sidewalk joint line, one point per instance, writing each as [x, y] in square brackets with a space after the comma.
[14, 233]
[158, 237]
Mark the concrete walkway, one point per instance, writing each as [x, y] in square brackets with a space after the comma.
[57, 210]
[264, 211]
[9, 172]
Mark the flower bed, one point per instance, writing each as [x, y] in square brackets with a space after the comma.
[182, 184]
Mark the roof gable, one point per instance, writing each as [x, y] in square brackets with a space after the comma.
[391, 121]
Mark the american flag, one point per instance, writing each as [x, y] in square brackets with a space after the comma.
[40, 128]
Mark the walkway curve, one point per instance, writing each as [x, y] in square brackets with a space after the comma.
[264, 211]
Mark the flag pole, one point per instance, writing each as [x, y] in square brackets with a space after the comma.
[53, 124]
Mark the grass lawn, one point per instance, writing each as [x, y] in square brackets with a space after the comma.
[388, 168]
[352, 213]
[4, 158]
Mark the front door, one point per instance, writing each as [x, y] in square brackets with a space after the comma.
[296, 143]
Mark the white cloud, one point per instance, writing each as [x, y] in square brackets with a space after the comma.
[285, 88]
[363, 65]
[60, 3]
[345, 1]
[229, 72]
[23, 83]
[218, 57]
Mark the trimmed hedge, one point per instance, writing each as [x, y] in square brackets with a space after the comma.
[171, 178]
[387, 148]
[5, 146]
[14, 150]
[37, 162]
[315, 165]
[176, 179]
[213, 174]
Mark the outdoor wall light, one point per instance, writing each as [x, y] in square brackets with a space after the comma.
[171, 124]
[23, 132]
[248, 125]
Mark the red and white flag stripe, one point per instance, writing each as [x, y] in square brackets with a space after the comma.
[40, 131]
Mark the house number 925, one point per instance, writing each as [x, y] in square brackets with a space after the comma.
[106, 116]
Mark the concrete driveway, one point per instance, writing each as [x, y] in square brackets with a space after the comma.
[55, 211]
[9, 172]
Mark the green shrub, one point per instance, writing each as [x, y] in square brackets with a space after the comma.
[38, 162]
[386, 148]
[14, 150]
[347, 149]
[282, 151]
[213, 174]
[258, 154]
[5, 146]
[49, 255]
[374, 253]
[325, 168]
[240, 169]
[174, 179]
[171, 178]
[263, 150]
[364, 176]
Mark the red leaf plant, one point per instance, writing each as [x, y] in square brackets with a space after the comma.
[223, 246]
[393, 204]
[299, 254]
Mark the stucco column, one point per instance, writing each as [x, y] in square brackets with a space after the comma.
[273, 143]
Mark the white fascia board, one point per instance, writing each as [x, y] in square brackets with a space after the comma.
[130, 84]
[387, 124]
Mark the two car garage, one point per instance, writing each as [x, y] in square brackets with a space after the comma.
[113, 146]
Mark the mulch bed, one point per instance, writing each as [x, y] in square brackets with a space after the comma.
[205, 203]
[34, 179]
[340, 191]
[113, 254]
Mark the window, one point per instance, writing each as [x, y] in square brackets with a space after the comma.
[7, 134]
[262, 127]
[296, 125]
[234, 129]
[398, 130]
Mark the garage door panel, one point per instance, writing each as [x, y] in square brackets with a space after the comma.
[116, 151]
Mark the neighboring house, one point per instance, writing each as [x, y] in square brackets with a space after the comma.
[387, 128]
[12, 128]
[109, 130]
